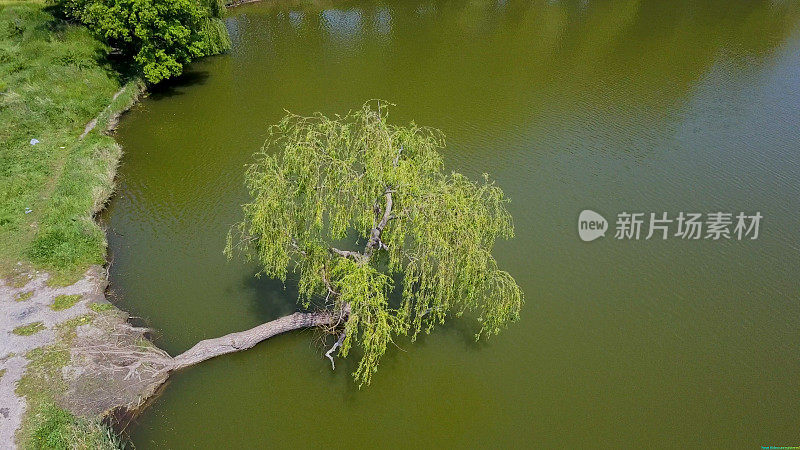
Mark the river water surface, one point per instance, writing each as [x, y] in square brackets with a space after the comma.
[638, 106]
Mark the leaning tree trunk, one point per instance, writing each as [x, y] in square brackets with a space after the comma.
[120, 375]
[244, 340]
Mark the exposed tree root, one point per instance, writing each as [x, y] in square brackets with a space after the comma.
[116, 363]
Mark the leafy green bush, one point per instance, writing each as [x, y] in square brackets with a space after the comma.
[158, 36]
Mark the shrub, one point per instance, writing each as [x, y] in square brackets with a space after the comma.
[158, 36]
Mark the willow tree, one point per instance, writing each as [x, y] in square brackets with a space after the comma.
[355, 208]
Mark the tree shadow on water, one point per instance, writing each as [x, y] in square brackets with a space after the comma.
[398, 353]
[271, 298]
[177, 85]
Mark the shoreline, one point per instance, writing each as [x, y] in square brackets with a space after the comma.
[30, 292]
[30, 299]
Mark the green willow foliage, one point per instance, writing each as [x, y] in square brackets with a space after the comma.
[159, 36]
[321, 181]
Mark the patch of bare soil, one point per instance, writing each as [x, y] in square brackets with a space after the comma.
[112, 365]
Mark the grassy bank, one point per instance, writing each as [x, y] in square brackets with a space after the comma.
[55, 80]
[59, 94]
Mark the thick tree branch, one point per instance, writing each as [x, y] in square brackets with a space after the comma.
[387, 212]
[375, 242]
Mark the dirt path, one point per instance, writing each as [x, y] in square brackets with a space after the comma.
[26, 306]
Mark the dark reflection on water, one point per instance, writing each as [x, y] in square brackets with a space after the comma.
[614, 106]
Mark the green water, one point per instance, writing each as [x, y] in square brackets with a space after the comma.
[614, 106]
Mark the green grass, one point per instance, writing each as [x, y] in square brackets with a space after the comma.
[101, 307]
[70, 324]
[63, 302]
[24, 296]
[58, 429]
[27, 330]
[54, 80]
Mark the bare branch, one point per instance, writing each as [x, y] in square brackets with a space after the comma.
[375, 234]
[336, 345]
[297, 248]
[358, 257]
[397, 158]
[328, 284]
[387, 211]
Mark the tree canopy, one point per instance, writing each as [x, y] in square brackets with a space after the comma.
[356, 207]
[159, 36]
